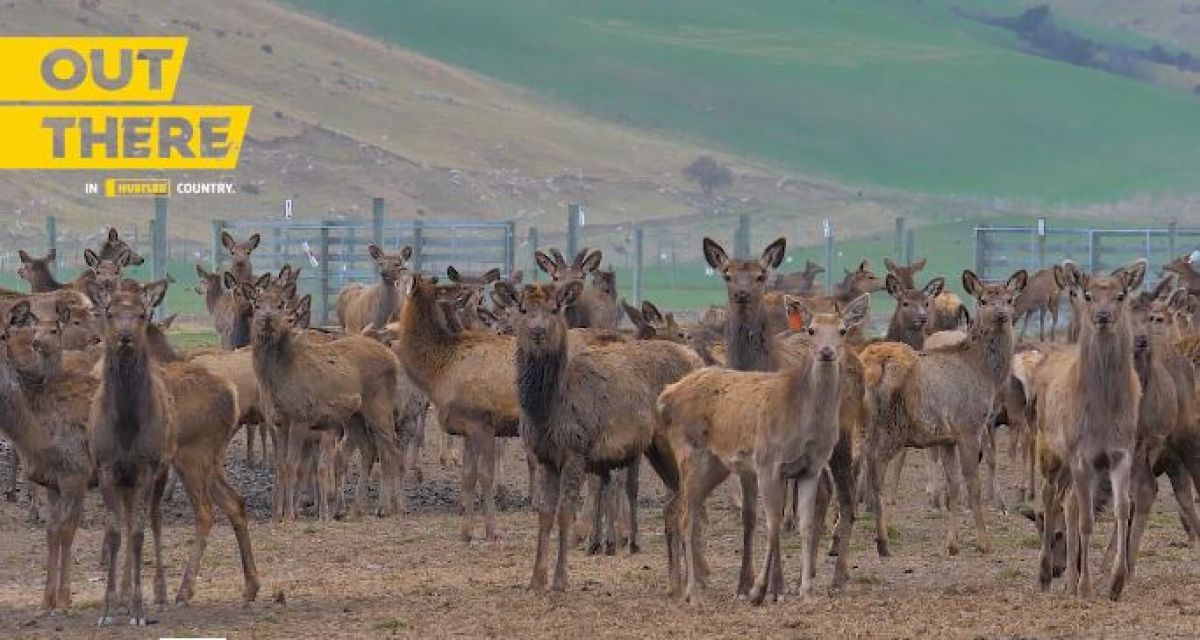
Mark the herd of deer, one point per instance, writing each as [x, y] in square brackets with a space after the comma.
[780, 387]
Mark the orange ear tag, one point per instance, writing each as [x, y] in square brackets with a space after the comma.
[795, 318]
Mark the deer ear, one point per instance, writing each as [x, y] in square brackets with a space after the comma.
[227, 241]
[453, 274]
[890, 265]
[893, 286]
[934, 287]
[545, 263]
[651, 313]
[62, 309]
[798, 315]
[972, 283]
[124, 258]
[25, 257]
[285, 272]
[230, 281]
[375, 252]
[569, 293]
[864, 266]
[517, 276]
[491, 275]
[1017, 281]
[153, 294]
[1135, 274]
[302, 310]
[1178, 299]
[635, 316]
[20, 314]
[504, 295]
[856, 312]
[91, 258]
[166, 322]
[591, 262]
[772, 256]
[254, 240]
[112, 234]
[919, 264]
[577, 261]
[200, 271]
[714, 254]
[814, 268]
[406, 253]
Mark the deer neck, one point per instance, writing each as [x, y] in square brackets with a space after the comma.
[815, 383]
[241, 328]
[425, 345]
[16, 421]
[386, 303]
[990, 349]
[42, 281]
[749, 340]
[242, 272]
[540, 376]
[1106, 360]
[212, 296]
[127, 390]
[901, 331]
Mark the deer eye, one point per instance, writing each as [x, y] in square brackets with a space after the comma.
[1087, 296]
[812, 331]
[1120, 297]
[904, 304]
[727, 278]
[842, 331]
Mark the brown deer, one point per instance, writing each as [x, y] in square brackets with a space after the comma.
[131, 435]
[1042, 296]
[239, 255]
[765, 427]
[114, 246]
[591, 411]
[905, 273]
[107, 271]
[754, 345]
[36, 271]
[52, 440]
[596, 307]
[359, 305]
[800, 283]
[942, 399]
[311, 385]
[1088, 421]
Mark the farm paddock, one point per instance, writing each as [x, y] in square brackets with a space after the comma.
[411, 576]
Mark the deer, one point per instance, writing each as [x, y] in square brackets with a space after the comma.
[905, 273]
[131, 436]
[596, 307]
[315, 385]
[754, 345]
[114, 246]
[591, 411]
[359, 305]
[52, 442]
[765, 427]
[943, 398]
[800, 283]
[1042, 296]
[36, 271]
[1088, 417]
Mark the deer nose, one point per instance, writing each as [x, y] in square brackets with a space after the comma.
[1141, 342]
[537, 333]
[826, 354]
[741, 297]
[125, 336]
[1102, 317]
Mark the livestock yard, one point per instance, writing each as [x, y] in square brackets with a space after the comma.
[867, 318]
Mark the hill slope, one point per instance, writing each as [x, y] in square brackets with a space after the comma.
[900, 93]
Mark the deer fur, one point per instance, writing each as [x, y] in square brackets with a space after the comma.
[800, 283]
[596, 307]
[37, 272]
[907, 273]
[942, 399]
[359, 305]
[764, 427]
[1042, 296]
[1088, 421]
[592, 411]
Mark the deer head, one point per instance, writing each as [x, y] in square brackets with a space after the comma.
[276, 311]
[126, 312]
[912, 305]
[35, 270]
[1105, 300]
[907, 273]
[745, 280]
[541, 307]
[239, 254]
[585, 262]
[826, 332]
[107, 270]
[113, 246]
[994, 302]
[392, 266]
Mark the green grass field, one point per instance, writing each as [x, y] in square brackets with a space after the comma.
[888, 92]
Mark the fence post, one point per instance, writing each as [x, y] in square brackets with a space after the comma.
[418, 244]
[639, 238]
[159, 238]
[323, 272]
[277, 247]
[1093, 250]
[535, 272]
[377, 221]
[741, 238]
[572, 231]
[510, 246]
[1040, 247]
[980, 250]
[827, 232]
[1172, 232]
[898, 248]
[910, 246]
[52, 235]
[218, 226]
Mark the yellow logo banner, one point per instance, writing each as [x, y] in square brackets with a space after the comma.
[122, 137]
[82, 69]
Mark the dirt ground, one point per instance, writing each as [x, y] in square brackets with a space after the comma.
[411, 576]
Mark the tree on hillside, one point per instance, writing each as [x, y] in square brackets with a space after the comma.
[709, 174]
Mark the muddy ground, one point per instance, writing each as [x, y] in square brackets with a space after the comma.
[412, 577]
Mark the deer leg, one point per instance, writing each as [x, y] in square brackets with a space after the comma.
[700, 474]
[841, 468]
[1052, 496]
[572, 478]
[193, 475]
[936, 485]
[873, 470]
[1053, 320]
[112, 543]
[789, 505]
[532, 464]
[612, 515]
[73, 510]
[381, 423]
[250, 445]
[773, 489]
[234, 507]
[1041, 324]
[946, 453]
[1121, 471]
[547, 507]
[1084, 515]
[160, 575]
[1145, 490]
[470, 471]
[486, 457]
[749, 520]
[53, 548]
[632, 477]
[994, 495]
[969, 462]
[894, 471]
[323, 480]
[10, 492]
[140, 507]
[596, 485]
[1025, 325]
[1182, 488]
[291, 473]
[809, 527]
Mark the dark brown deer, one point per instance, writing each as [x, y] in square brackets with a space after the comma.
[239, 255]
[906, 273]
[114, 246]
[596, 307]
[589, 412]
[942, 399]
[1043, 296]
[765, 427]
[1088, 419]
[132, 436]
[36, 271]
[359, 305]
[800, 283]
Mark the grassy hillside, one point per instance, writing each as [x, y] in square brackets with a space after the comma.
[898, 93]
